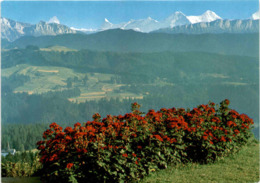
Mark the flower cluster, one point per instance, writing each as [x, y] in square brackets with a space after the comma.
[126, 148]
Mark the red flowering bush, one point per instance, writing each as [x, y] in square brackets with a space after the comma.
[126, 148]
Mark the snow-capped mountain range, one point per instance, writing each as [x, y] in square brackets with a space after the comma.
[217, 26]
[149, 24]
[12, 30]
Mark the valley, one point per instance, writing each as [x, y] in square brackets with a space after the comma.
[67, 78]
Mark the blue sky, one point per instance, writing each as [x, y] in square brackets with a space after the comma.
[91, 14]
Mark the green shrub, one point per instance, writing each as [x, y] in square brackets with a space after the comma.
[23, 164]
[126, 148]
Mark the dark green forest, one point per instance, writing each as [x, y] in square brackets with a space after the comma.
[118, 40]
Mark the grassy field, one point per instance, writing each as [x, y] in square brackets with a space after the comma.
[50, 78]
[21, 180]
[57, 48]
[240, 167]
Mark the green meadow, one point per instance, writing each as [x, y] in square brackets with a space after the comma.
[237, 168]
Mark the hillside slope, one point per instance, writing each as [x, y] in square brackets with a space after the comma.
[130, 41]
[240, 167]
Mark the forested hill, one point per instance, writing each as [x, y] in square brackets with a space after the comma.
[163, 79]
[130, 41]
[189, 66]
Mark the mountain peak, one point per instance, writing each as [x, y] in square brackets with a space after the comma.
[207, 16]
[176, 19]
[106, 25]
[255, 16]
[179, 13]
[54, 20]
[211, 14]
[4, 21]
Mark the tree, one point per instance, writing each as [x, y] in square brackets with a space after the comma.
[69, 84]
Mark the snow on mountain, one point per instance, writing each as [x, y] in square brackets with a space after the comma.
[255, 16]
[54, 20]
[87, 31]
[217, 26]
[12, 30]
[43, 28]
[208, 16]
[176, 19]
[108, 25]
[149, 24]
[142, 25]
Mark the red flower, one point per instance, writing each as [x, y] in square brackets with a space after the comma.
[134, 154]
[69, 165]
[236, 131]
[115, 147]
[53, 157]
[68, 138]
[68, 130]
[40, 142]
[229, 123]
[212, 104]
[139, 147]
[134, 135]
[215, 119]
[41, 147]
[125, 155]
[158, 137]
[227, 101]
[205, 137]
[53, 125]
[223, 139]
[234, 116]
[77, 124]
[136, 162]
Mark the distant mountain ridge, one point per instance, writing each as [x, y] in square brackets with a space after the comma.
[12, 30]
[217, 26]
[208, 22]
[147, 25]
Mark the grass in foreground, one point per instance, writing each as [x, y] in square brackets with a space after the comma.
[240, 167]
[21, 180]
